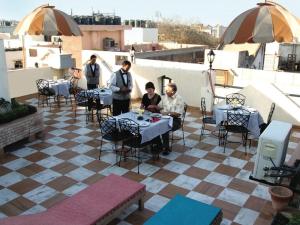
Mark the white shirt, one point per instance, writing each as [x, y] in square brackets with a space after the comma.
[113, 82]
[172, 104]
[93, 67]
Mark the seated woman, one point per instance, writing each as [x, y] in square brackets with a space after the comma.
[150, 100]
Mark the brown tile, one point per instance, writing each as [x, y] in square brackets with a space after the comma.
[96, 165]
[40, 146]
[93, 143]
[71, 128]
[215, 157]
[128, 164]
[190, 129]
[61, 183]
[227, 170]
[95, 134]
[210, 189]
[37, 156]
[165, 175]
[115, 221]
[190, 160]
[4, 170]
[93, 179]
[262, 221]
[70, 135]
[194, 137]
[68, 144]
[241, 155]
[204, 146]
[16, 206]
[7, 157]
[171, 190]
[64, 167]
[161, 162]
[267, 211]
[139, 217]
[229, 210]
[24, 186]
[242, 186]
[179, 148]
[66, 155]
[31, 170]
[249, 166]
[54, 200]
[197, 173]
[255, 203]
[134, 176]
[94, 153]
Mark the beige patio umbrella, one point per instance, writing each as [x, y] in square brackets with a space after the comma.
[268, 22]
[46, 20]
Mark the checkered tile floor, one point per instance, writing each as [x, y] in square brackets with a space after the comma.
[38, 174]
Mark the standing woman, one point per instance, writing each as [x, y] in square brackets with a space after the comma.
[92, 73]
[150, 100]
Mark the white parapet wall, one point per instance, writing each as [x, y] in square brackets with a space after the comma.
[4, 87]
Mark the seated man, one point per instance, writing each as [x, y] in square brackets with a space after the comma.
[171, 104]
[150, 100]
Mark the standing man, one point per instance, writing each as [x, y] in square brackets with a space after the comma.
[121, 84]
[92, 73]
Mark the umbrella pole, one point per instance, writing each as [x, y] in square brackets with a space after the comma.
[263, 55]
[23, 51]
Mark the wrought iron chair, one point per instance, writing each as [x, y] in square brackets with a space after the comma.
[180, 127]
[73, 88]
[45, 92]
[109, 132]
[81, 100]
[235, 98]
[132, 138]
[237, 122]
[265, 125]
[205, 119]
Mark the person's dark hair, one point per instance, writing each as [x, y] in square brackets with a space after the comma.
[149, 85]
[126, 62]
[173, 86]
[93, 57]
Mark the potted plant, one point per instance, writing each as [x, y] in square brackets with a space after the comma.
[280, 196]
[294, 220]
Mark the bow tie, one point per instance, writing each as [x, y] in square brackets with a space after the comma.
[124, 73]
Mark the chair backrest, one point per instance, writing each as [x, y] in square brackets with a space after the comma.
[184, 113]
[203, 107]
[81, 97]
[271, 113]
[43, 86]
[235, 98]
[239, 117]
[129, 127]
[73, 85]
[107, 124]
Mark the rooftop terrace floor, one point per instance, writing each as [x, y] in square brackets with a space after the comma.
[36, 175]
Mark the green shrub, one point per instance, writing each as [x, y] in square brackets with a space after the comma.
[295, 220]
[16, 111]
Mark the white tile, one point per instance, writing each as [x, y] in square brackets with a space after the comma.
[56, 140]
[82, 139]
[81, 160]
[126, 212]
[45, 176]
[60, 125]
[156, 203]
[11, 178]
[226, 222]
[244, 175]
[109, 158]
[63, 118]
[211, 140]
[23, 152]
[2, 215]
[80, 174]
[233, 196]
[186, 182]
[53, 150]
[218, 178]
[7, 195]
[35, 209]
[75, 189]
[58, 132]
[206, 164]
[235, 162]
[154, 185]
[196, 153]
[200, 197]
[261, 192]
[17, 164]
[292, 145]
[220, 150]
[82, 131]
[172, 156]
[296, 134]
[246, 216]
[114, 170]
[146, 169]
[40, 194]
[195, 125]
[189, 119]
[188, 142]
[49, 162]
[176, 167]
[82, 148]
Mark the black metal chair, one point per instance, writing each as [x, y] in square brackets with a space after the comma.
[180, 127]
[109, 132]
[265, 125]
[81, 100]
[235, 98]
[237, 122]
[205, 119]
[73, 88]
[45, 92]
[132, 138]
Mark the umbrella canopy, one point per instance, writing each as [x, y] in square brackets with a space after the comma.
[45, 20]
[268, 22]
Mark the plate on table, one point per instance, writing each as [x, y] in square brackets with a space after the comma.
[157, 115]
[165, 117]
[144, 124]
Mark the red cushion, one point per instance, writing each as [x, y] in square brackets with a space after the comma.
[85, 207]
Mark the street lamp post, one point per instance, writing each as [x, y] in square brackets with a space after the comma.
[211, 57]
[59, 44]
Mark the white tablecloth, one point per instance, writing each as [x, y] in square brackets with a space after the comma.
[61, 87]
[104, 94]
[153, 130]
[220, 114]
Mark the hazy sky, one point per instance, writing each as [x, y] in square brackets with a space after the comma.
[205, 11]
